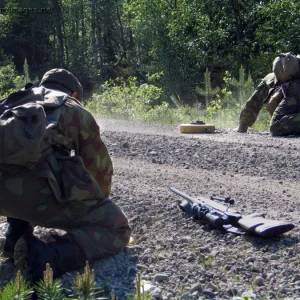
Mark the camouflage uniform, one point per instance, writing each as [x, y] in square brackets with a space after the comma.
[286, 118]
[278, 91]
[70, 192]
[257, 100]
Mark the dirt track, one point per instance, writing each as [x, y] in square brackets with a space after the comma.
[178, 258]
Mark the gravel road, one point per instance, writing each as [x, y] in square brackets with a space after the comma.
[179, 258]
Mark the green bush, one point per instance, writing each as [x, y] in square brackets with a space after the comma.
[7, 77]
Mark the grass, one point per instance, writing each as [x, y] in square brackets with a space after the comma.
[205, 260]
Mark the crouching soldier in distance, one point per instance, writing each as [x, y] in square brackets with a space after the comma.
[55, 172]
[278, 92]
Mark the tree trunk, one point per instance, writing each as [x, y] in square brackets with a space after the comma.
[121, 31]
[32, 43]
[59, 25]
[93, 31]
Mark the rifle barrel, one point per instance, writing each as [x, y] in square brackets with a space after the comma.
[183, 195]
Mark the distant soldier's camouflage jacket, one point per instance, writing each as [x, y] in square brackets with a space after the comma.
[257, 100]
[285, 113]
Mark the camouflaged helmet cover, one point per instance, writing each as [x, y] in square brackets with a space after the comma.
[64, 78]
[285, 67]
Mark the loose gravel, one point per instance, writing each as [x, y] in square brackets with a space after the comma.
[179, 258]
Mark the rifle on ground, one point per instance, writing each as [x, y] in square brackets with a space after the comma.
[223, 217]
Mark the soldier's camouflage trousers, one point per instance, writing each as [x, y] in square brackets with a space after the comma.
[97, 226]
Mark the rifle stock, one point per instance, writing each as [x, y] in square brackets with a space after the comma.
[221, 216]
[265, 227]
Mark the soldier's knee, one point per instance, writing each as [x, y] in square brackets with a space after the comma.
[280, 131]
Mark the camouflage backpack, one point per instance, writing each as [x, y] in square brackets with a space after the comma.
[286, 67]
[26, 119]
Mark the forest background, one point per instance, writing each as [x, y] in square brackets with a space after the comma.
[156, 60]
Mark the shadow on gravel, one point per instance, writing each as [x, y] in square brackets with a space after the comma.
[272, 244]
[116, 273]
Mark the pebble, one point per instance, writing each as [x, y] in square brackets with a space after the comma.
[196, 287]
[161, 277]
[258, 280]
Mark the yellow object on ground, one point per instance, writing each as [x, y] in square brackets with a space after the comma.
[197, 128]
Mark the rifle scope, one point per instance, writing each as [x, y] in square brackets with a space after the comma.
[209, 215]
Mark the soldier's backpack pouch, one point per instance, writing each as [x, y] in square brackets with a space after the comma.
[23, 124]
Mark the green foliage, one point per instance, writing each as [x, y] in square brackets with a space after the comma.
[18, 289]
[139, 294]
[126, 99]
[7, 76]
[129, 100]
[10, 81]
[205, 260]
[208, 92]
[49, 289]
[101, 40]
[84, 287]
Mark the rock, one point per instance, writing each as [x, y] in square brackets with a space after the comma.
[179, 150]
[156, 293]
[227, 267]
[132, 154]
[125, 145]
[272, 294]
[208, 294]
[161, 277]
[153, 153]
[186, 296]
[148, 288]
[212, 287]
[250, 294]
[296, 278]
[274, 257]
[191, 257]
[232, 292]
[141, 267]
[196, 287]
[249, 259]
[258, 281]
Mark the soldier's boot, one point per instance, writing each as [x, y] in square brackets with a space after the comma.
[31, 256]
[14, 230]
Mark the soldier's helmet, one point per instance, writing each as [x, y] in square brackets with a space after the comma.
[64, 78]
[286, 66]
